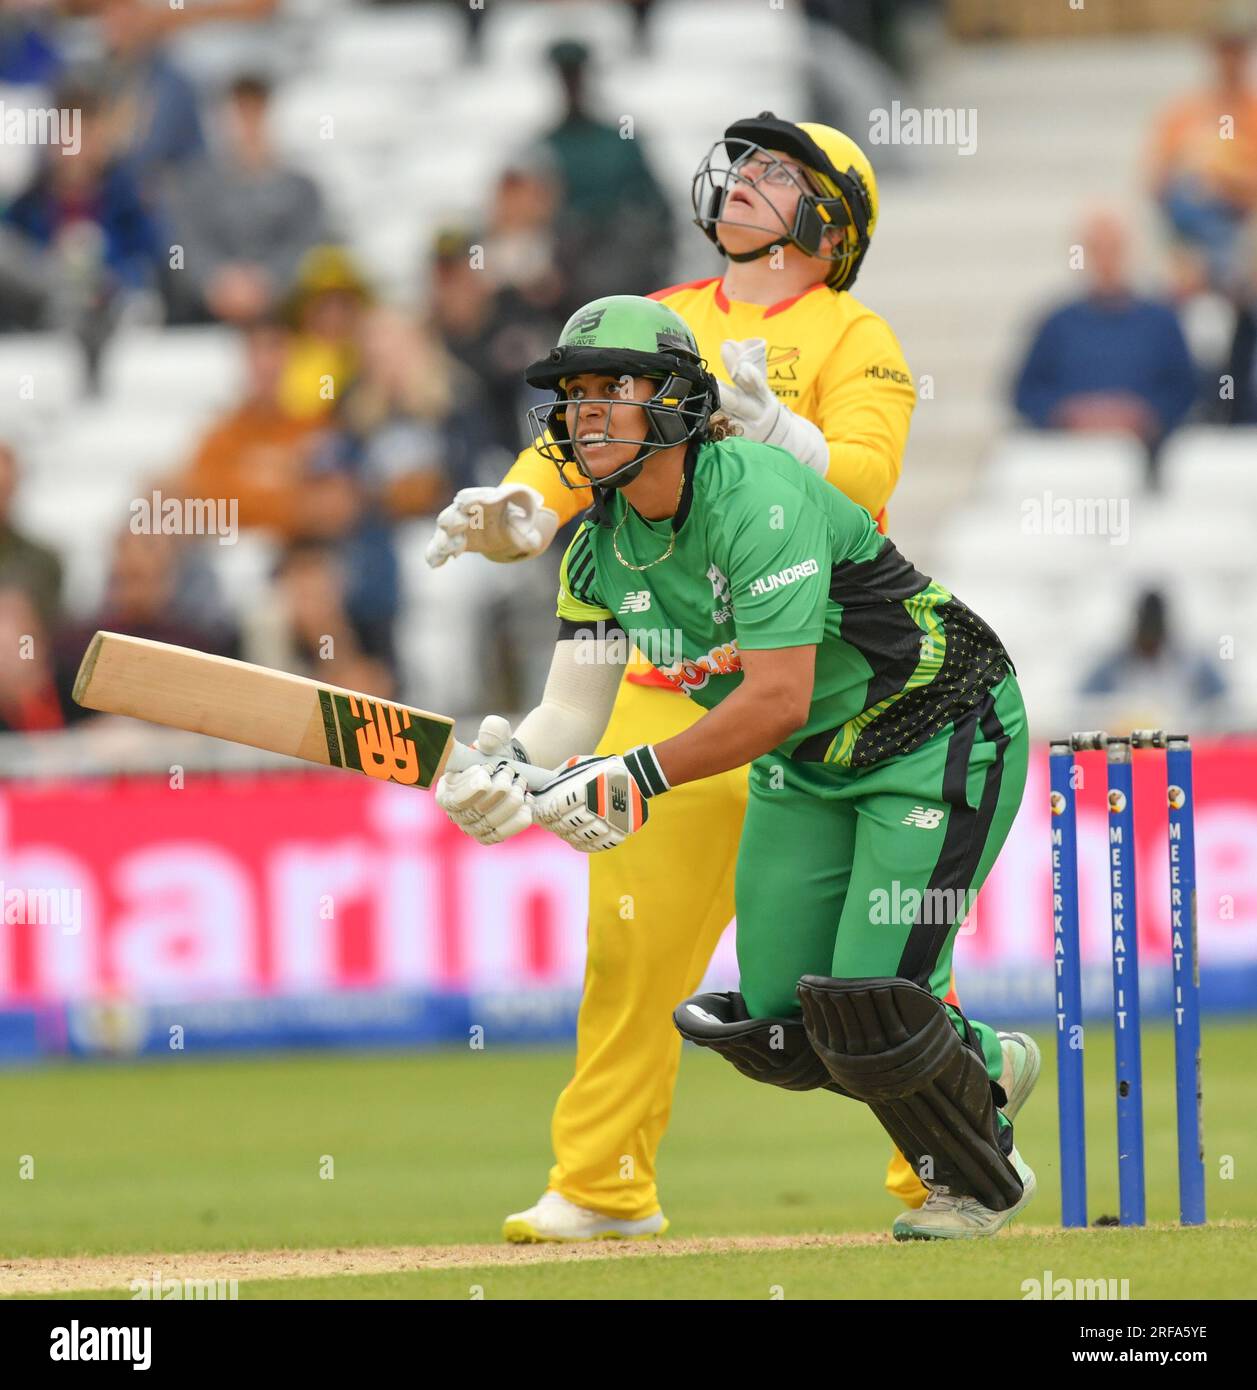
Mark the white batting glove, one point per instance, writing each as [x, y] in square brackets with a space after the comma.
[503, 523]
[489, 802]
[764, 419]
[597, 803]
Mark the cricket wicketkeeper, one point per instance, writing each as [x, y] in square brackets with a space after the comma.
[880, 716]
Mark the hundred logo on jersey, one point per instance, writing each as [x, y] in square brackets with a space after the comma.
[766, 583]
[689, 675]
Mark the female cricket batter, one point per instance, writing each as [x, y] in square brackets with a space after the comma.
[880, 717]
[793, 208]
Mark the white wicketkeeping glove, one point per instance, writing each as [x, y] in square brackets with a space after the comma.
[593, 803]
[488, 802]
[503, 523]
[750, 401]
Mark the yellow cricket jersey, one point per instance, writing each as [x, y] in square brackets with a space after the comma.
[830, 359]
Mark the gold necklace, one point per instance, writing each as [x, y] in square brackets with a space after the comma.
[671, 544]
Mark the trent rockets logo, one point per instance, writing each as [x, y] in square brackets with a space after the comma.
[781, 363]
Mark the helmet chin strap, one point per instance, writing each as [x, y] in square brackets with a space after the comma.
[618, 476]
[603, 487]
[761, 251]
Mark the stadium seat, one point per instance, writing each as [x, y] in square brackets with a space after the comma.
[1214, 467]
[41, 374]
[739, 39]
[414, 43]
[517, 36]
[1026, 464]
[1169, 539]
[119, 446]
[202, 367]
[243, 570]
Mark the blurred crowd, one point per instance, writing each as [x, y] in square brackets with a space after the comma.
[1116, 357]
[1122, 358]
[358, 416]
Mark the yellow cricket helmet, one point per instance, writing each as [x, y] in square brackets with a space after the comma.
[843, 194]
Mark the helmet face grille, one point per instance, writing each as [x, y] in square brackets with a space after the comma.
[676, 413]
[724, 167]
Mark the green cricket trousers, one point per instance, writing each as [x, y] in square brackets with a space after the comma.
[859, 872]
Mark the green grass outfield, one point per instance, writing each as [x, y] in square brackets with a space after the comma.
[185, 1155]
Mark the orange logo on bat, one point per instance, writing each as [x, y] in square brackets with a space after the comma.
[384, 749]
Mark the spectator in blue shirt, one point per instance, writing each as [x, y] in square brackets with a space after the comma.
[1111, 360]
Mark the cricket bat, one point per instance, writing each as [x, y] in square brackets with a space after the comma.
[282, 713]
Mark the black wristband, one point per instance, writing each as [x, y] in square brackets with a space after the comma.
[646, 772]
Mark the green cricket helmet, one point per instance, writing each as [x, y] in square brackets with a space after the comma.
[624, 335]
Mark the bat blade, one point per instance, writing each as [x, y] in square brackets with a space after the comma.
[273, 710]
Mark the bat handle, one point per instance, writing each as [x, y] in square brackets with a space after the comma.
[461, 757]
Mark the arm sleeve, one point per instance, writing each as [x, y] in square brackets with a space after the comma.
[779, 562]
[532, 469]
[864, 407]
[576, 705]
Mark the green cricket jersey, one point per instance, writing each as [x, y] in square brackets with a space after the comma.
[769, 555]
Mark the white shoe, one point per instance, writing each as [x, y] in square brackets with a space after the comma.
[1022, 1061]
[555, 1218]
[944, 1217]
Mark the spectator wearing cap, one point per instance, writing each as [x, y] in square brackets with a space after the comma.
[326, 311]
[614, 222]
[1112, 359]
[243, 219]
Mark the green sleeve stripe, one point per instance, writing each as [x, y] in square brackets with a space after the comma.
[577, 601]
[572, 556]
[580, 574]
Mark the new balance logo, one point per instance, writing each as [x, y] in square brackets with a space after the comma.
[790, 575]
[923, 819]
[636, 602]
